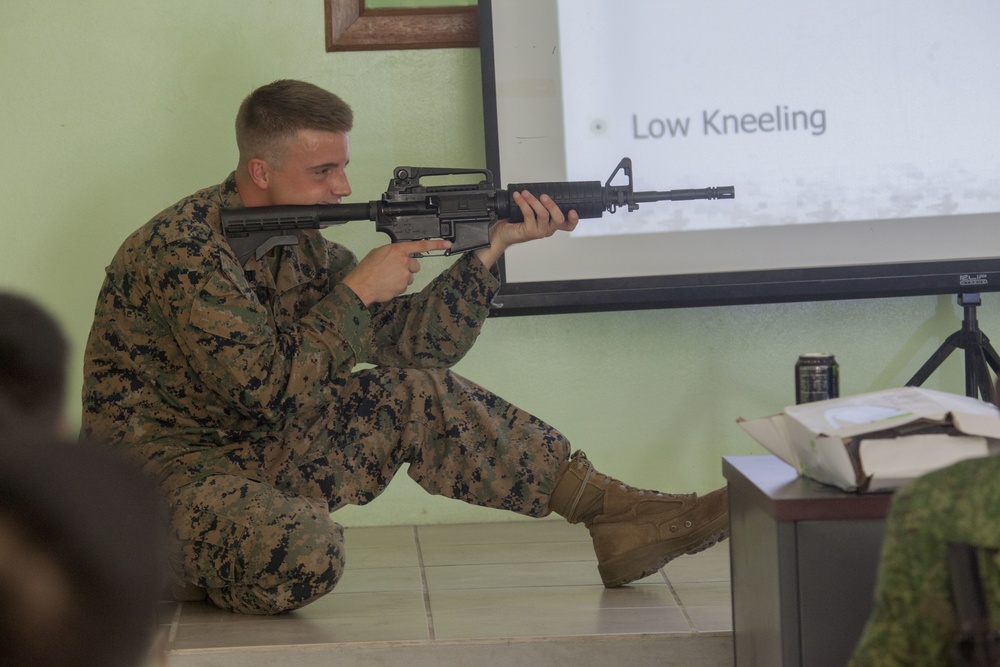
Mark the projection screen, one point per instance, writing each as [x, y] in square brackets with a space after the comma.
[861, 137]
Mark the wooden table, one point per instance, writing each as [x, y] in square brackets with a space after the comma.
[803, 558]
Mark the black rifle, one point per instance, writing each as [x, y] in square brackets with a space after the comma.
[462, 214]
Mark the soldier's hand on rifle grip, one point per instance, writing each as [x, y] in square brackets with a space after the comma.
[387, 271]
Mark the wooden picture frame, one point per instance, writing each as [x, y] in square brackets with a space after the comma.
[352, 27]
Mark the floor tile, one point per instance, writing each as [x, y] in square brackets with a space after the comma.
[378, 536]
[552, 599]
[356, 580]
[515, 575]
[339, 604]
[493, 624]
[718, 618]
[514, 552]
[435, 589]
[537, 530]
[206, 614]
[291, 631]
[704, 593]
[709, 565]
[381, 557]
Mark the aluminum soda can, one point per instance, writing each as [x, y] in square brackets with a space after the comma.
[817, 377]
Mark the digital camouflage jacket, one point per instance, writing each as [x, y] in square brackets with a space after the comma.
[194, 364]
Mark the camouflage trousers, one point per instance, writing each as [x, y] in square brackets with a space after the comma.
[913, 621]
[267, 546]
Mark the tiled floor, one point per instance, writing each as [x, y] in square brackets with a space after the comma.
[525, 592]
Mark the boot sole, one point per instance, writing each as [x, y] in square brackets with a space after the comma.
[647, 560]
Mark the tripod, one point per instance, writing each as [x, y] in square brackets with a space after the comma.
[978, 352]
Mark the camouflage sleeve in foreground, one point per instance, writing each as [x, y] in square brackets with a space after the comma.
[437, 326]
[913, 621]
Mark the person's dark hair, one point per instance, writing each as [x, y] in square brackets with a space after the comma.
[82, 555]
[33, 354]
[278, 110]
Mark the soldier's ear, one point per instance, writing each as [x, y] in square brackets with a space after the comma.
[260, 172]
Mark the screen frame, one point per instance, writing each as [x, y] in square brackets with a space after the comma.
[806, 283]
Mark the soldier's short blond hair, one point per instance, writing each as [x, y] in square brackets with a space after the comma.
[276, 111]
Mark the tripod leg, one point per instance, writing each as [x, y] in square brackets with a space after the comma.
[980, 356]
[991, 355]
[978, 381]
[993, 359]
[989, 391]
[931, 365]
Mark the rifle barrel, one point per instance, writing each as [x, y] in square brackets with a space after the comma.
[720, 192]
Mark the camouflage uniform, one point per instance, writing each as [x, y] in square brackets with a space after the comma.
[913, 621]
[235, 386]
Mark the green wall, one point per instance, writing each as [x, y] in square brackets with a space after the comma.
[114, 109]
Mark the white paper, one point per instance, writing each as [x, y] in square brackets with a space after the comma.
[892, 462]
[813, 437]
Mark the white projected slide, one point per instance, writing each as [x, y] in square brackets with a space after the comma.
[856, 131]
[857, 110]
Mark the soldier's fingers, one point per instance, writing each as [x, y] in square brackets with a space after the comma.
[572, 219]
[529, 205]
[556, 216]
[542, 212]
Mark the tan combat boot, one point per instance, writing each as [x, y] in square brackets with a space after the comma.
[637, 532]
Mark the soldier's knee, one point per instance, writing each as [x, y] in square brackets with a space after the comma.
[305, 567]
[313, 569]
[304, 589]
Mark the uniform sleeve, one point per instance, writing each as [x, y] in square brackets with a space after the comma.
[437, 326]
[230, 339]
